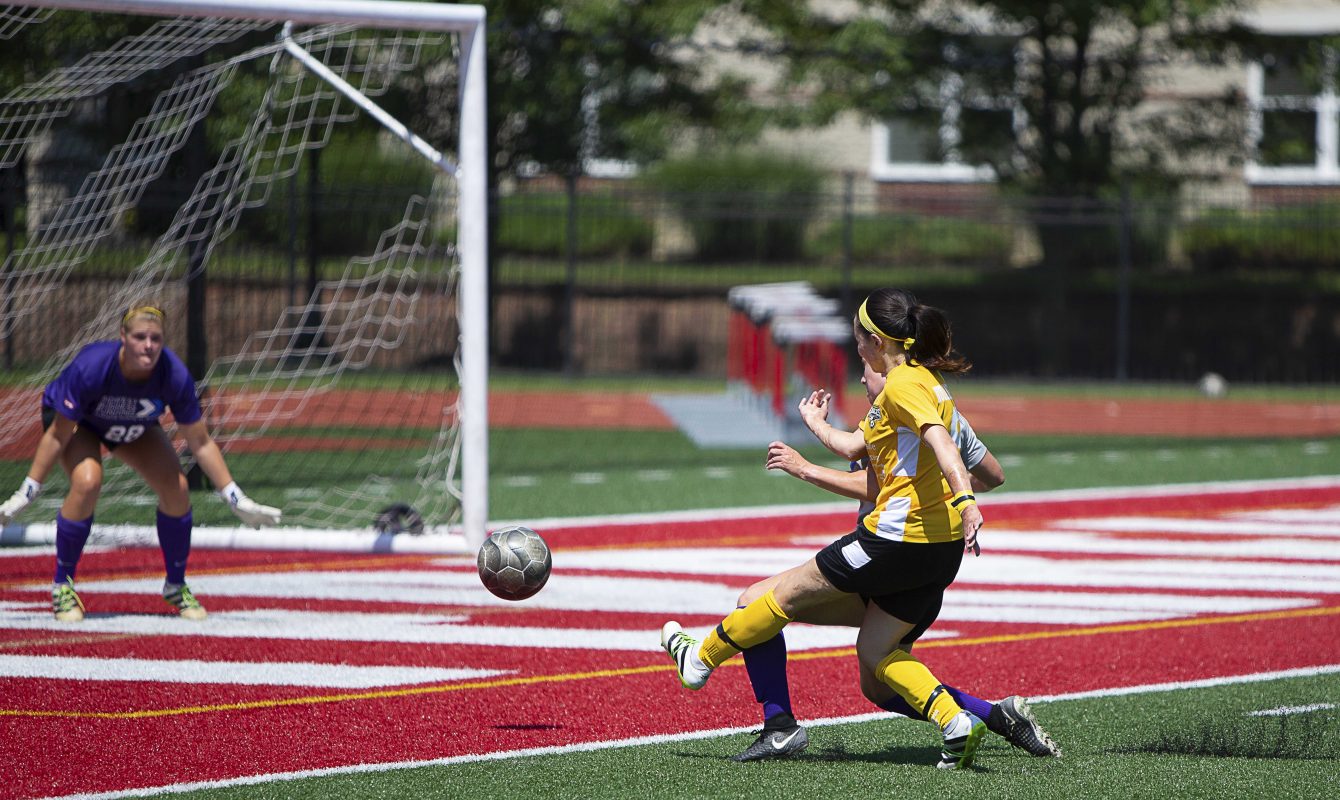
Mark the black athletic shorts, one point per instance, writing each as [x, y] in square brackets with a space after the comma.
[907, 580]
[49, 416]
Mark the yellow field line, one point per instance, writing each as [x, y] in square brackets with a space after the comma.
[623, 671]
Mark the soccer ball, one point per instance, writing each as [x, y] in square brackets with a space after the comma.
[1213, 385]
[514, 563]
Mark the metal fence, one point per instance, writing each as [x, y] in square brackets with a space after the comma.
[592, 278]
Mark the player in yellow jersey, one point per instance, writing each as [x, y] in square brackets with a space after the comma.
[782, 736]
[905, 553]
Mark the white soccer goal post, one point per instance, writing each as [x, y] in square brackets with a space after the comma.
[284, 370]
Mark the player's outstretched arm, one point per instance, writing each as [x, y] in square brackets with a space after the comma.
[49, 448]
[848, 484]
[210, 458]
[814, 413]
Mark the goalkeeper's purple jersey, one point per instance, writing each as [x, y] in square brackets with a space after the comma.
[92, 391]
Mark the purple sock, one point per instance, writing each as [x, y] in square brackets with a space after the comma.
[71, 537]
[174, 536]
[766, 665]
[970, 703]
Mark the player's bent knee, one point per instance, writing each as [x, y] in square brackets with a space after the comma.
[874, 690]
[751, 594]
[86, 484]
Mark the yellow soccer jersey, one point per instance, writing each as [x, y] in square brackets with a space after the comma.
[913, 495]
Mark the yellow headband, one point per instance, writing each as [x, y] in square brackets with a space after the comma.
[870, 326]
[151, 311]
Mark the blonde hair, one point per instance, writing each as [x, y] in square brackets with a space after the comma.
[152, 312]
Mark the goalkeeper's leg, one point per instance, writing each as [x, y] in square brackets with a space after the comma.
[82, 460]
[153, 457]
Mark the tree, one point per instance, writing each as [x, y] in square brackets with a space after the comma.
[1052, 96]
[1072, 77]
[574, 80]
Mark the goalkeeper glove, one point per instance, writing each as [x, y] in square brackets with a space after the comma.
[19, 500]
[248, 510]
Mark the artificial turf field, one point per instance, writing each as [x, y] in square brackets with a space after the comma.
[1183, 643]
[1209, 741]
[1182, 633]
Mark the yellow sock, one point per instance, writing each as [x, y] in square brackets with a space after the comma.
[910, 678]
[743, 628]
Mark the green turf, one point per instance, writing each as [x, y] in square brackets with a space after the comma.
[556, 473]
[1191, 743]
[570, 473]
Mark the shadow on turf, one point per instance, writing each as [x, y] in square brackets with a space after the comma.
[909, 756]
[1311, 737]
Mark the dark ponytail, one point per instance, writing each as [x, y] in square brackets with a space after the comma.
[897, 313]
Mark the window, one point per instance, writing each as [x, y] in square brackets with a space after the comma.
[928, 140]
[1293, 115]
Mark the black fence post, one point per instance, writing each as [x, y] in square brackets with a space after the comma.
[313, 220]
[309, 327]
[8, 204]
[1124, 256]
[570, 289]
[197, 345]
[848, 222]
[292, 213]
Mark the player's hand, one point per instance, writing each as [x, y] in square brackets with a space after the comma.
[814, 408]
[972, 525]
[255, 514]
[784, 457]
[248, 510]
[18, 501]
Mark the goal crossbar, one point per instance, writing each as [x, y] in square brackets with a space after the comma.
[363, 13]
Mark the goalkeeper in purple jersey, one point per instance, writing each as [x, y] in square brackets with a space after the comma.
[782, 736]
[113, 394]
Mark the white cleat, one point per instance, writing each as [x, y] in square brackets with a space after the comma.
[683, 650]
[963, 735]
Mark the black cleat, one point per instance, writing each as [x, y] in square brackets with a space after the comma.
[1012, 719]
[781, 737]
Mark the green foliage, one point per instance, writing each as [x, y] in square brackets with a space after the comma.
[569, 81]
[1223, 240]
[1047, 104]
[919, 241]
[742, 206]
[537, 225]
[355, 175]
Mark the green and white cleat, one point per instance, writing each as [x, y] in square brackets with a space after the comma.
[65, 602]
[683, 650]
[181, 598]
[963, 735]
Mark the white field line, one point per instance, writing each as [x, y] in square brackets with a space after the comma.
[1003, 498]
[450, 541]
[586, 747]
[242, 673]
[1285, 711]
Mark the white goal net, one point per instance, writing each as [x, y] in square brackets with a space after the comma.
[321, 265]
